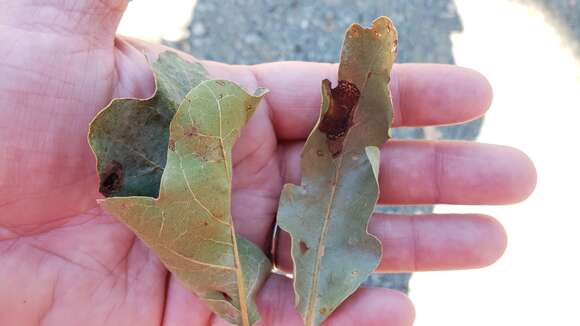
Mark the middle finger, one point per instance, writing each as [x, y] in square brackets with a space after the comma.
[426, 242]
[442, 172]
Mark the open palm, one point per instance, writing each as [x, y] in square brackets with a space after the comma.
[63, 261]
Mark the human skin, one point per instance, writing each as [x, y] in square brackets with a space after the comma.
[63, 261]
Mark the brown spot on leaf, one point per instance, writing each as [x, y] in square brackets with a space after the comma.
[324, 311]
[205, 149]
[389, 25]
[111, 178]
[354, 30]
[190, 132]
[226, 297]
[172, 145]
[338, 118]
[335, 146]
[303, 247]
[220, 82]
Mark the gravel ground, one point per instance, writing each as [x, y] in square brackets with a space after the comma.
[255, 31]
[565, 15]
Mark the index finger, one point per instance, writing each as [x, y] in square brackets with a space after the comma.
[423, 94]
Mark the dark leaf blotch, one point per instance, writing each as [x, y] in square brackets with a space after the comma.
[111, 178]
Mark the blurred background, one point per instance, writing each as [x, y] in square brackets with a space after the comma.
[528, 49]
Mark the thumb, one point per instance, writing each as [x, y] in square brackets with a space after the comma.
[95, 20]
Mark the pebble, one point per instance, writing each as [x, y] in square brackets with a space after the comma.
[198, 29]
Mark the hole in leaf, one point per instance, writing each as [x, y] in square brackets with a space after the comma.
[111, 178]
[303, 247]
[226, 297]
[190, 132]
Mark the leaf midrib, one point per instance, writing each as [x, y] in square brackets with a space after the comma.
[320, 249]
[239, 274]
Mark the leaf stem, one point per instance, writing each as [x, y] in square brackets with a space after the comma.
[240, 278]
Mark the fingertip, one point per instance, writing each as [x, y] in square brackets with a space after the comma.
[469, 241]
[530, 173]
[493, 241]
[488, 92]
[483, 90]
[406, 313]
[473, 93]
[520, 175]
[397, 308]
[436, 94]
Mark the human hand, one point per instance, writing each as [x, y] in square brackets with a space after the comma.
[63, 261]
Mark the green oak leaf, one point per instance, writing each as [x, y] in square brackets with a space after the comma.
[328, 213]
[130, 136]
[190, 226]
